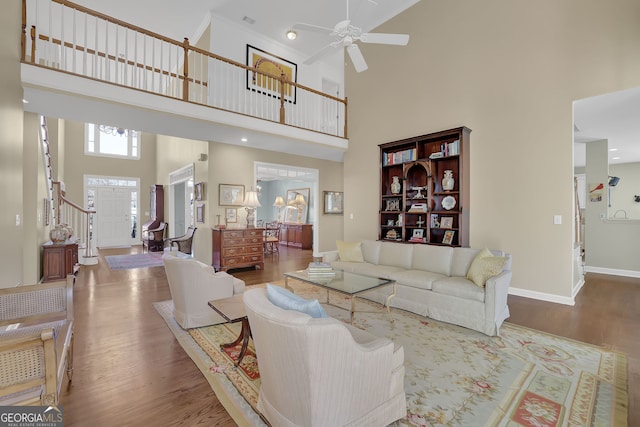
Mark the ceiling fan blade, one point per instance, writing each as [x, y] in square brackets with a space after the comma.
[356, 57]
[328, 49]
[311, 27]
[382, 38]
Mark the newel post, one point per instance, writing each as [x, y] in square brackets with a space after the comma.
[185, 83]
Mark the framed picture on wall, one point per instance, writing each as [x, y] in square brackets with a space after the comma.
[230, 194]
[333, 202]
[231, 214]
[298, 199]
[200, 213]
[199, 191]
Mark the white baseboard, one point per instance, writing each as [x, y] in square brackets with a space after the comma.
[542, 296]
[612, 271]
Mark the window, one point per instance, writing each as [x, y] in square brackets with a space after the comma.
[110, 141]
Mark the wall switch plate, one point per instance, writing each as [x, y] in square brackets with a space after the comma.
[557, 219]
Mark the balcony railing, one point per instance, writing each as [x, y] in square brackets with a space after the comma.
[70, 38]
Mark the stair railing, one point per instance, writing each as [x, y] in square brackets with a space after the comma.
[79, 219]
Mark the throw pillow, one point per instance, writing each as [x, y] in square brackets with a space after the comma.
[350, 252]
[286, 300]
[484, 266]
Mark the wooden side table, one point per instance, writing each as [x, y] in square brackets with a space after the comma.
[232, 310]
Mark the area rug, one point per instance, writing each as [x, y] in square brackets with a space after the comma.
[124, 262]
[453, 376]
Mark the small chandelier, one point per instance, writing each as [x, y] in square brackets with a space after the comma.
[115, 131]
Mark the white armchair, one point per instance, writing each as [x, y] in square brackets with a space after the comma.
[323, 372]
[192, 285]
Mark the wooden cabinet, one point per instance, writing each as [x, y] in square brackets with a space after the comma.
[58, 260]
[297, 235]
[416, 205]
[237, 248]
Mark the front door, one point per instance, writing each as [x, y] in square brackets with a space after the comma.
[114, 216]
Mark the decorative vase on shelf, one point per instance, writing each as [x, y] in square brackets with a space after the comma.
[447, 181]
[395, 185]
[59, 234]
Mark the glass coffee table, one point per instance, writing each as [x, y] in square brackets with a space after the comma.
[351, 284]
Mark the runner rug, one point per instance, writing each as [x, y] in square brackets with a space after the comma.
[124, 262]
[454, 376]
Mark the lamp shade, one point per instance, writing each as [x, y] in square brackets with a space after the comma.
[251, 200]
[279, 201]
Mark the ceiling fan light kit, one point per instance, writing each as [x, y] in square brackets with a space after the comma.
[345, 35]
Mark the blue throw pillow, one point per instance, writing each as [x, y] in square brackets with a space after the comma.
[286, 300]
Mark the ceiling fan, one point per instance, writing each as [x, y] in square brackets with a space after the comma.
[345, 35]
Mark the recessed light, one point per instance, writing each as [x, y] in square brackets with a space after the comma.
[24, 101]
[613, 149]
[291, 35]
[243, 139]
[615, 158]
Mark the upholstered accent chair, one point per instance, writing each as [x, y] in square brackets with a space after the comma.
[321, 371]
[153, 239]
[193, 284]
[271, 239]
[184, 243]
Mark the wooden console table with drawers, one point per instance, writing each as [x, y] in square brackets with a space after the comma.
[237, 248]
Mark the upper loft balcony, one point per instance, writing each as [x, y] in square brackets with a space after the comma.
[83, 65]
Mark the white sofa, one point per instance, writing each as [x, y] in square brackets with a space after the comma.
[318, 372]
[432, 282]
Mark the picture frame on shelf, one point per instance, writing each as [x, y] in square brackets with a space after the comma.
[200, 213]
[198, 188]
[418, 233]
[333, 202]
[446, 222]
[275, 67]
[230, 194]
[434, 221]
[231, 214]
[447, 239]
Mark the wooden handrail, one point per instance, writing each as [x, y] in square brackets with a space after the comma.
[69, 202]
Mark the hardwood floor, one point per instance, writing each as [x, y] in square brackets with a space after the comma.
[130, 371]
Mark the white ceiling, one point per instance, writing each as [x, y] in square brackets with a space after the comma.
[273, 18]
[615, 117]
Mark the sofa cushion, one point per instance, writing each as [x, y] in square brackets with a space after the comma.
[396, 254]
[416, 278]
[436, 259]
[350, 252]
[371, 251]
[485, 265]
[458, 287]
[373, 270]
[289, 301]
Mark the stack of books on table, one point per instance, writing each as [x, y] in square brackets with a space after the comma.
[320, 269]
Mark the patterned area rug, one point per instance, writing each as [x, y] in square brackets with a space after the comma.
[124, 262]
[458, 377]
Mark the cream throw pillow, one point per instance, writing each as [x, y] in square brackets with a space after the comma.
[350, 252]
[484, 266]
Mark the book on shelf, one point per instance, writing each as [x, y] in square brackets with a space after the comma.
[320, 269]
[398, 157]
[450, 148]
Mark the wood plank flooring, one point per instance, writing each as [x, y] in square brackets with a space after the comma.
[130, 371]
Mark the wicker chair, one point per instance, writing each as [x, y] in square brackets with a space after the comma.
[183, 243]
[153, 239]
[35, 356]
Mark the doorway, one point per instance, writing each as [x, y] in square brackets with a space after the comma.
[115, 200]
[181, 198]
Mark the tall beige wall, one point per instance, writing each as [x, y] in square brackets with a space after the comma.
[11, 156]
[509, 70]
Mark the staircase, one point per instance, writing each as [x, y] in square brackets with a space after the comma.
[63, 211]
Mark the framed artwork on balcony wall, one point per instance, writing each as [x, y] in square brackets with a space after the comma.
[271, 68]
